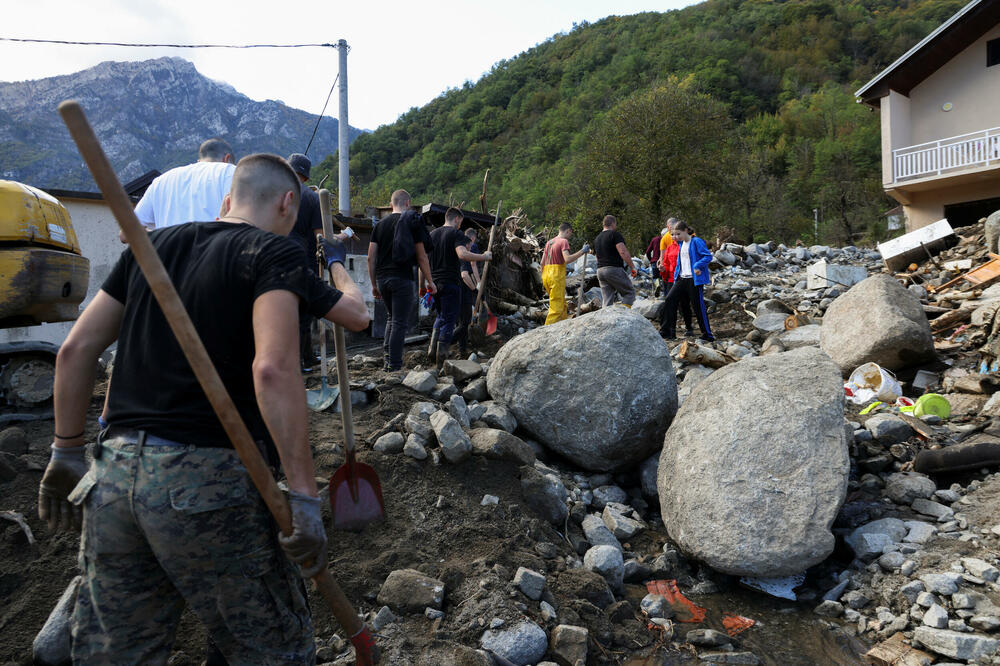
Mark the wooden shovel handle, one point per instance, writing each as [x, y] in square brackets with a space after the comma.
[194, 350]
[340, 347]
[486, 266]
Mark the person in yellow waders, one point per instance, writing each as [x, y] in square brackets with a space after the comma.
[554, 260]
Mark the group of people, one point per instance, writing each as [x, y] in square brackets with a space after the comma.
[169, 515]
[677, 256]
[447, 261]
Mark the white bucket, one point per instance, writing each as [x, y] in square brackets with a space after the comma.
[873, 380]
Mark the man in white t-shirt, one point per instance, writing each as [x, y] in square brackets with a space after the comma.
[191, 193]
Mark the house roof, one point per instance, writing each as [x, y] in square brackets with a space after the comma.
[950, 38]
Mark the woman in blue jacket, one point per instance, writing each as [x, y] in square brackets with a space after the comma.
[690, 278]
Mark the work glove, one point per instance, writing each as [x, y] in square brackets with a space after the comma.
[488, 254]
[307, 543]
[634, 272]
[586, 248]
[66, 467]
[334, 251]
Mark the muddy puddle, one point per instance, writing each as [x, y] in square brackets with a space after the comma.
[786, 633]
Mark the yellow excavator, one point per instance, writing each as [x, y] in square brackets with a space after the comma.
[43, 278]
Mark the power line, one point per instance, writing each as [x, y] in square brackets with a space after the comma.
[320, 116]
[172, 46]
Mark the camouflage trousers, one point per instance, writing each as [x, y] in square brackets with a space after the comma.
[167, 525]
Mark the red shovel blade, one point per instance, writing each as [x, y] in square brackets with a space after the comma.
[491, 324]
[355, 496]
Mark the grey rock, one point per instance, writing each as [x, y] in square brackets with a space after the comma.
[419, 427]
[869, 541]
[945, 584]
[548, 611]
[501, 445]
[987, 623]
[384, 618]
[904, 487]
[433, 613]
[693, 376]
[52, 645]
[980, 568]
[531, 583]
[888, 429]
[912, 590]
[926, 599]
[936, 616]
[856, 600]
[13, 440]
[770, 322]
[773, 306]
[707, 638]
[919, 531]
[932, 508]
[715, 478]
[891, 561]
[476, 391]
[655, 605]
[498, 416]
[955, 644]
[423, 410]
[726, 657]
[649, 308]
[605, 494]
[415, 447]
[546, 494]
[524, 644]
[597, 532]
[476, 412]
[801, 336]
[409, 591]
[443, 391]
[647, 475]
[420, 381]
[947, 495]
[458, 410]
[569, 645]
[607, 561]
[622, 525]
[960, 601]
[455, 444]
[829, 609]
[462, 371]
[391, 442]
[877, 320]
[624, 389]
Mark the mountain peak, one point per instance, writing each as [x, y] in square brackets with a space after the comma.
[148, 114]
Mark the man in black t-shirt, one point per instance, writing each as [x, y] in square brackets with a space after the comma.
[609, 246]
[170, 516]
[308, 223]
[449, 252]
[393, 253]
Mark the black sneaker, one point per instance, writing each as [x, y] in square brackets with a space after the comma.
[704, 338]
[667, 337]
[689, 333]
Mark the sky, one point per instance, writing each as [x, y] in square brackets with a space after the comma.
[402, 54]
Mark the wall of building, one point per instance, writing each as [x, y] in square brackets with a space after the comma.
[972, 88]
[97, 233]
[896, 130]
[927, 207]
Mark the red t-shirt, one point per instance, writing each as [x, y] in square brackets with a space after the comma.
[554, 251]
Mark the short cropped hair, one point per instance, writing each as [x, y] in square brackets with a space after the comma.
[609, 220]
[565, 226]
[400, 198]
[452, 214]
[262, 177]
[214, 150]
[472, 233]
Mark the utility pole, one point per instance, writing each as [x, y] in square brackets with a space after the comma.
[816, 225]
[343, 137]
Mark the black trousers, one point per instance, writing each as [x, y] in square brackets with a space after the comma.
[464, 318]
[684, 294]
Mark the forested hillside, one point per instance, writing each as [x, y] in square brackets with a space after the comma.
[730, 112]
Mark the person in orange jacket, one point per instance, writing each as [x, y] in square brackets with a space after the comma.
[668, 258]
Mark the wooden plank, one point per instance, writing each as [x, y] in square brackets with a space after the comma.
[895, 652]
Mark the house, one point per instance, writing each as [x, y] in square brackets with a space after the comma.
[940, 125]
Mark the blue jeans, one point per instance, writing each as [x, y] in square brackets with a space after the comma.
[399, 296]
[449, 302]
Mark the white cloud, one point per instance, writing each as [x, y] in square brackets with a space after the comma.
[403, 54]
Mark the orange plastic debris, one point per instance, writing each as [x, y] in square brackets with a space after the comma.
[736, 624]
[684, 610]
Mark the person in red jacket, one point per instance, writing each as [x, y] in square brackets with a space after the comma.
[668, 259]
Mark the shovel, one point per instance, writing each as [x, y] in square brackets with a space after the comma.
[320, 399]
[201, 363]
[355, 489]
[491, 320]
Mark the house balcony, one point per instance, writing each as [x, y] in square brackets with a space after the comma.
[953, 160]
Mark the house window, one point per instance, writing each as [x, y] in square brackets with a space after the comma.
[993, 52]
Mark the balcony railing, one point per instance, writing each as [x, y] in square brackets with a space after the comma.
[947, 155]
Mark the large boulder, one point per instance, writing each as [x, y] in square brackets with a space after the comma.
[754, 467]
[598, 389]
[879, 321]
